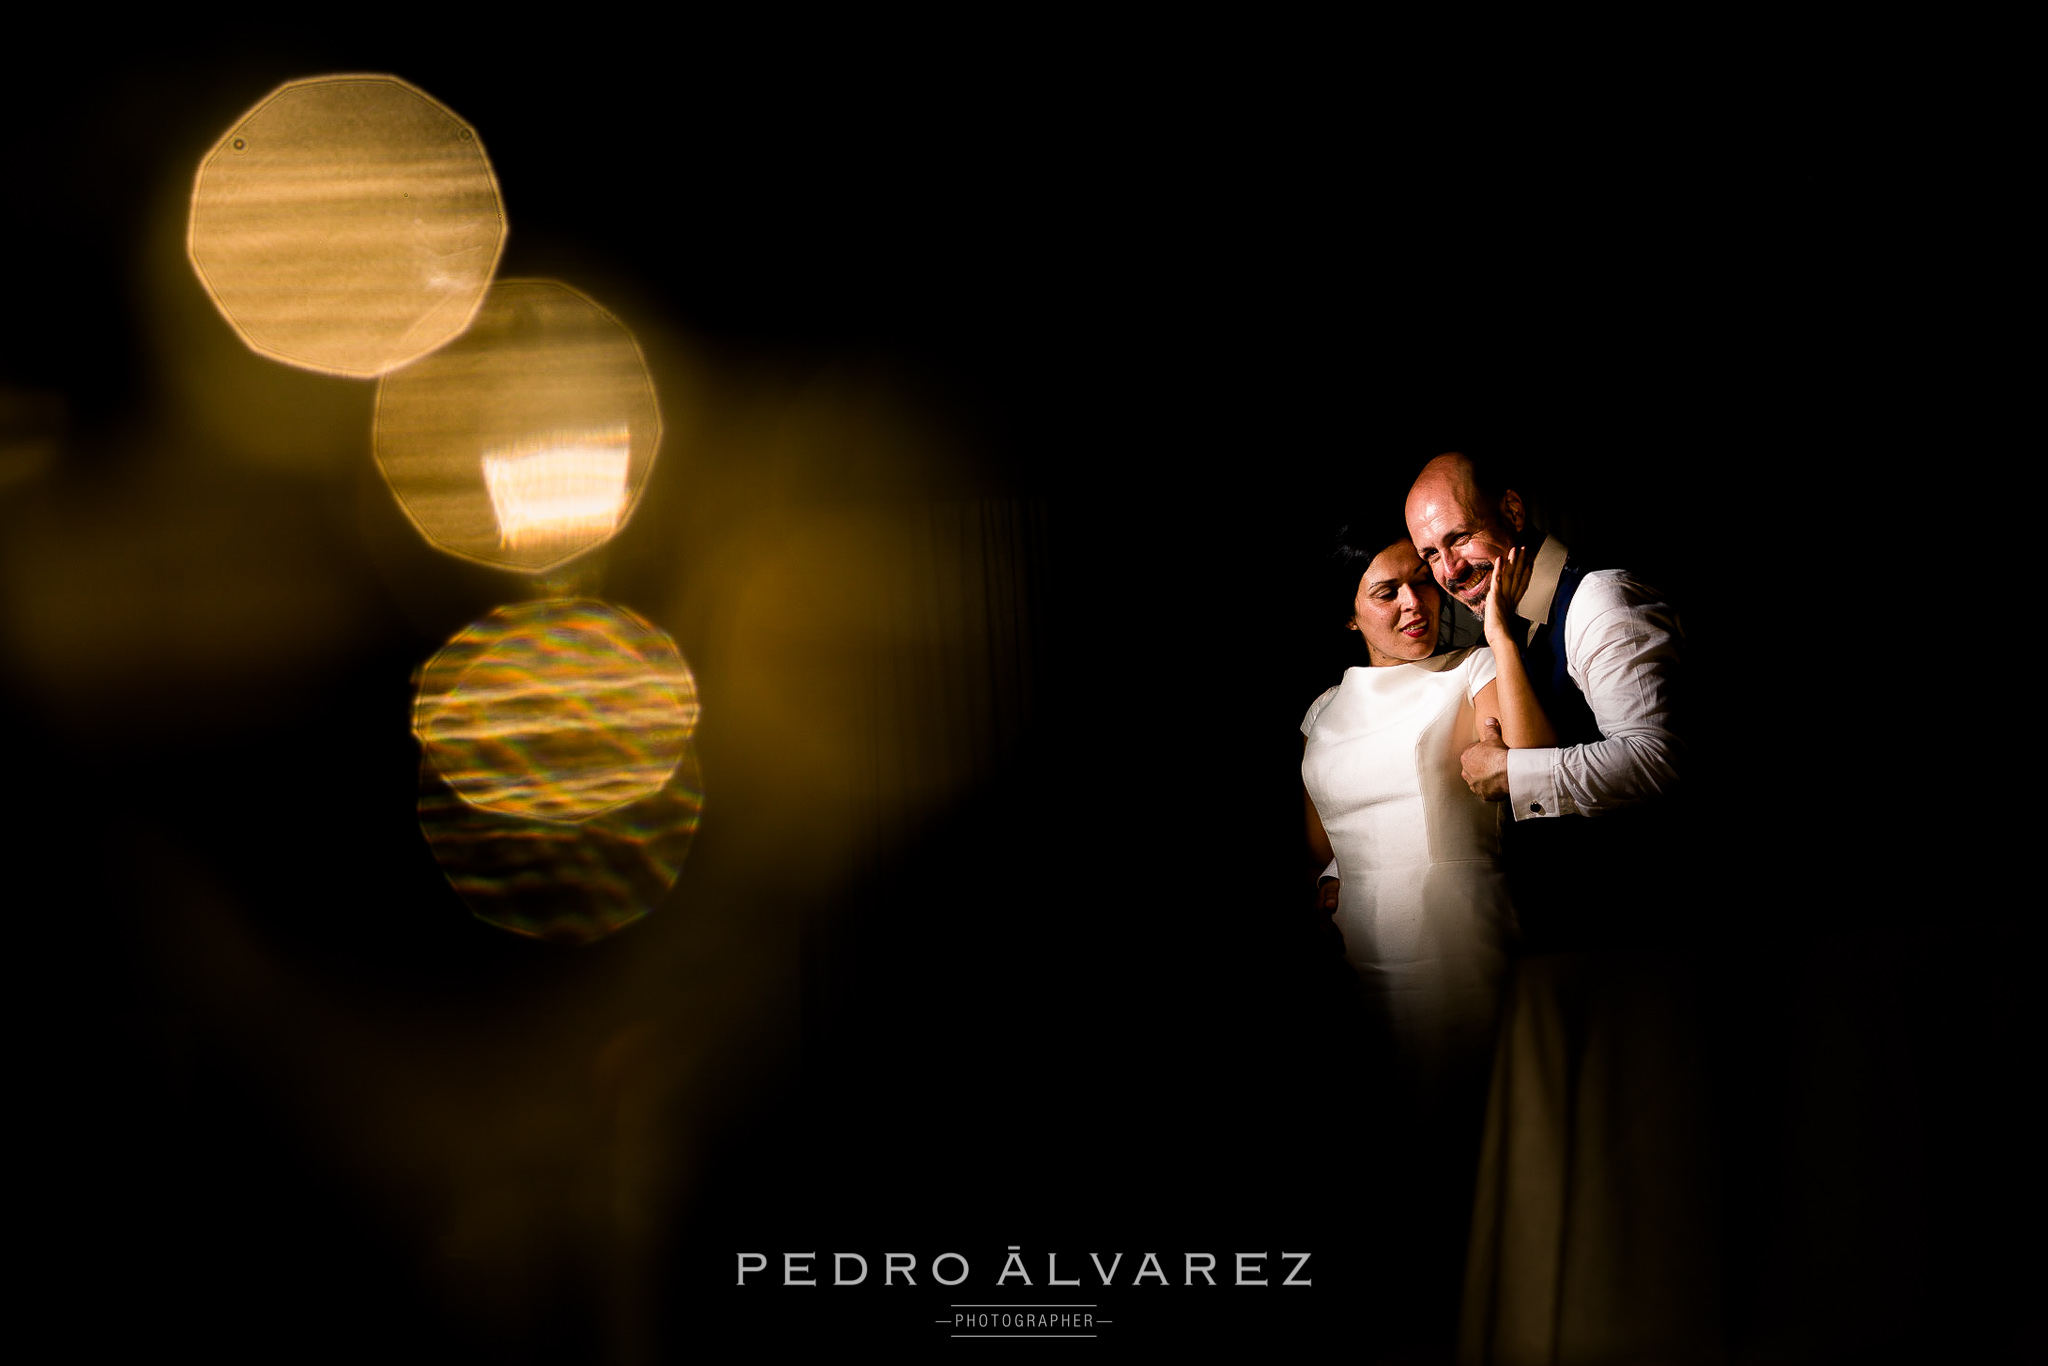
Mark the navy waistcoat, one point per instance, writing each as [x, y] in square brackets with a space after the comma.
[1543, 660]
[1583, 882]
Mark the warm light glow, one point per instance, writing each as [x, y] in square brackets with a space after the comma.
[559, 489]
[527, 441]
[348, 224]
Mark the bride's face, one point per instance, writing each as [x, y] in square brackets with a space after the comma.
[1397, 606]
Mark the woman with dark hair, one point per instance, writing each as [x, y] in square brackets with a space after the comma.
[1414, 877]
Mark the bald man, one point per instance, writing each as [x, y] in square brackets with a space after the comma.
[1601, 649]
[1602, 653]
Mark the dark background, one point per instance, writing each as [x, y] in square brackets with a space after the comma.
[1183, 297]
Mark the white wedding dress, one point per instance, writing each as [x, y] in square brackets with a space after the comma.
[1423, 907]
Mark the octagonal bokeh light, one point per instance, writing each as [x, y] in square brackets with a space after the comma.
[526, 442]
[560, 788]
[347, 224]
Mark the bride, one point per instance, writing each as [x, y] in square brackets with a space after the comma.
[1414, 877]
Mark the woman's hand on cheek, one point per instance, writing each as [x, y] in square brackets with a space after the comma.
[1501, 596]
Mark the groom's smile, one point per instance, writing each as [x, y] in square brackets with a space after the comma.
[1469, 585]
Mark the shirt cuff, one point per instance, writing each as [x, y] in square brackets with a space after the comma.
[1330, 871]
[1533, 790]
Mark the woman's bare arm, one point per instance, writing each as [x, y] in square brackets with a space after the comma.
[1509, 697]
[1319, 845]
[1318, 841]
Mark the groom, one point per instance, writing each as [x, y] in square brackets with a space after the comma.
[1598, 1157]
[1602, 654]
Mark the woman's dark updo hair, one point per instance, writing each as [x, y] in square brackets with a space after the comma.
[1352, 550]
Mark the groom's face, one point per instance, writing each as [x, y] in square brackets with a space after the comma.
[1458, 540]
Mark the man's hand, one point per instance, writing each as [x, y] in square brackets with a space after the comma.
[1485, 763]
[1326, 895]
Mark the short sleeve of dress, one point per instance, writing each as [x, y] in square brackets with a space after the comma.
[1479, 671]
[1315, 709]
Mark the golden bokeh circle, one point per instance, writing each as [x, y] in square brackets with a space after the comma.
[527, 441]
[347, 224]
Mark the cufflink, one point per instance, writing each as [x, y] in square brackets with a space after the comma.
[1535, 808]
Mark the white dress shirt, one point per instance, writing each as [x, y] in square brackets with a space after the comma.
[1621, 647]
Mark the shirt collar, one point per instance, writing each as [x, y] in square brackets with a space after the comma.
[1542, 590]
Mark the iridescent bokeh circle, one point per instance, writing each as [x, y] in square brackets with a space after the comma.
[557, 709]
[559, 788]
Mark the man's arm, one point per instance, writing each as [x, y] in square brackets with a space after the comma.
[1622, 649]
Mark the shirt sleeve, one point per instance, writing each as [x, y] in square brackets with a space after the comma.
[1621, 645]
